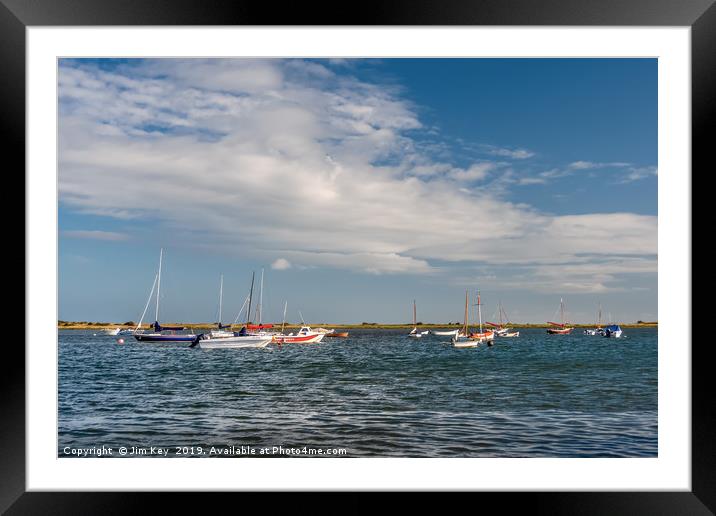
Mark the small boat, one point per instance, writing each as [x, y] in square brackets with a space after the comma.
[341, 334]
[460, 339]
[237, 341]
[450, 333]
[323, 330]
[126, 331]
[160, 333]
[559, 328]
[304, 336]
[598, 330]
[613, 331]
[111, 331]
[500, 328]
[415, 333]
[482, 336]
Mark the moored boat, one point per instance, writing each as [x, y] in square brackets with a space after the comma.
[338, 334]
[613, 331]
[160, 333]
[449, 333]
[598, 330]
[237, 341]
[487, 336]
[501, 329]
[415, 334]
[111, 331]
[304, 336]
[461, 339]
[559, 328]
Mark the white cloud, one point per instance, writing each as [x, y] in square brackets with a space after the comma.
[294, 161]
[281, 264]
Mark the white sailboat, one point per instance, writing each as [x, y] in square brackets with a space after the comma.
[221, 330]
[415, 333]
[598, 330]
[461, 339]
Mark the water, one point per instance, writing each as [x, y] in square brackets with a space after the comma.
[375, 394]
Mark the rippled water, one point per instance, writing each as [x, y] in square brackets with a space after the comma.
[374, 394]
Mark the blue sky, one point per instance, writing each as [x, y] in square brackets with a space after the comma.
[359, 185]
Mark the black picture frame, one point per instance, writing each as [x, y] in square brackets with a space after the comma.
[700, 15]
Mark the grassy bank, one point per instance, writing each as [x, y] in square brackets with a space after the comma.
[84, 325]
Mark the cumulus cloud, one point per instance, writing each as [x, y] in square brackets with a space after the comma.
[281, 264]
[267, 158]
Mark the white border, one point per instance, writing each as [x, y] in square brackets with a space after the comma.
[671, 470]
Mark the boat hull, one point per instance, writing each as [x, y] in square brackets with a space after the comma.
[299, 339]
[234, 342]
[445, 333]
[143, 337]
[334, 334]
[560, 331]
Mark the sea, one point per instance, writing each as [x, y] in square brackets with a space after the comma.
[376, 393]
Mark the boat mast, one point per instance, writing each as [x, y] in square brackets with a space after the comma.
[261, 297]
[159, 283]
[221, 297]
[466, 302]
[415, 319]
[479, 310]
[285, 305]
[561, 309]
[251, 294]
[599, 322]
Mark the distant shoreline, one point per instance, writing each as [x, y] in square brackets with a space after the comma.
[69, 325]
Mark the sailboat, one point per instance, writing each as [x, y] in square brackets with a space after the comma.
[415, 333]
[221, 329]
[461, 340]
[560, 328]
[236, 340]
[482, 336]
[598, 330]
[500, 329]
[160, 333]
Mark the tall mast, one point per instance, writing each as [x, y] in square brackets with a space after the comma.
[599, 322]
[261, 296]
[479, 310]
[499, 304]
[159, 283]
[251, 294]
[561, 309]
[221, 296]
[285, 305]
[415, 319]
[465, 329]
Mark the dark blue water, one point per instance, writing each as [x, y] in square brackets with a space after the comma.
[375, 394]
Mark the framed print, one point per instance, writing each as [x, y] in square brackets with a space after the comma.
[401, 252]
